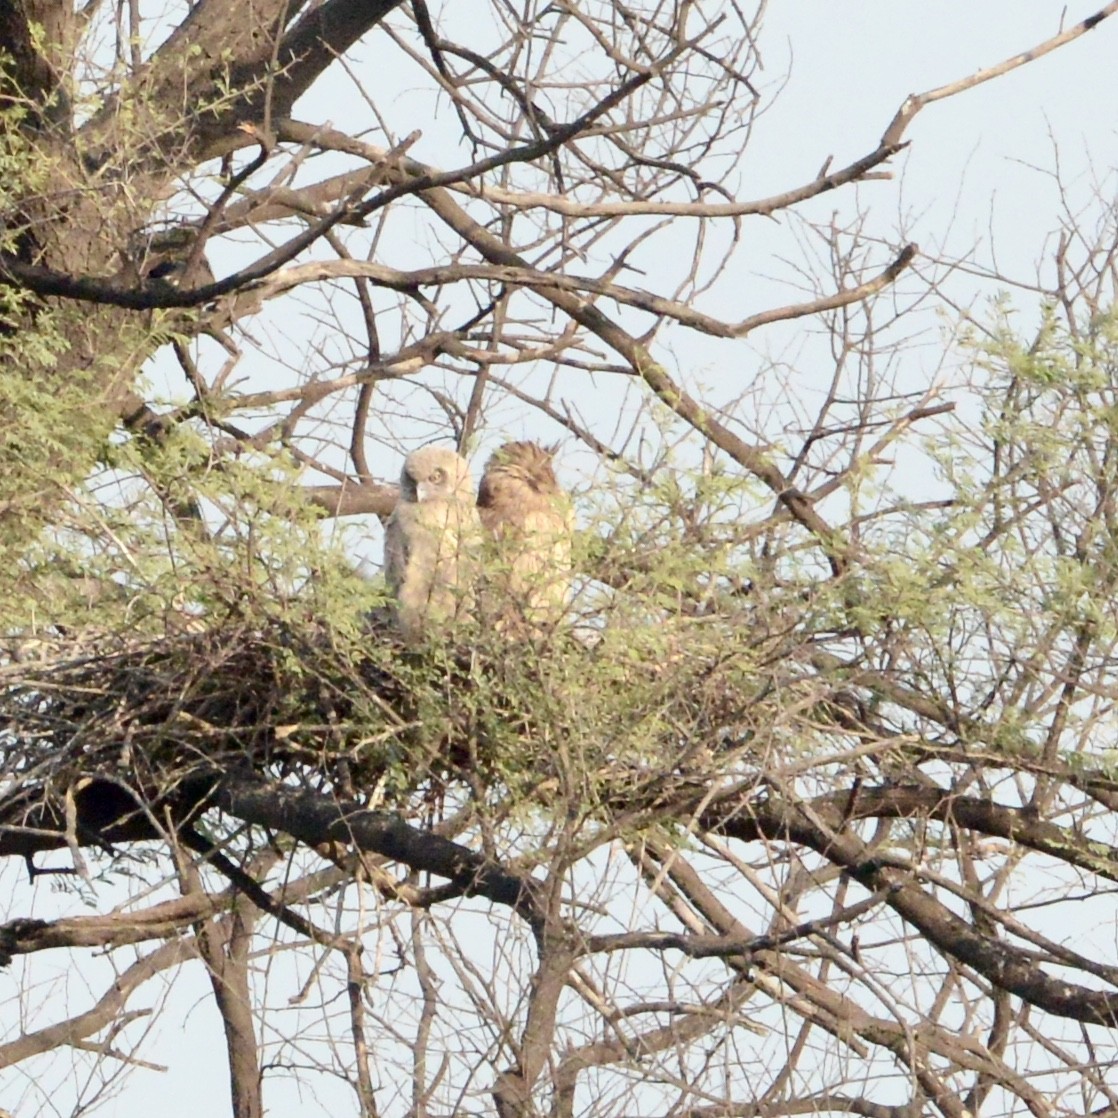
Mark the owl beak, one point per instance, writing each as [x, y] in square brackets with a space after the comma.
[422, 491]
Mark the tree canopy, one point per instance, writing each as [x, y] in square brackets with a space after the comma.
[804, 807]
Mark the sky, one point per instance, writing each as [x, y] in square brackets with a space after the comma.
[991, 150]
[978, 182]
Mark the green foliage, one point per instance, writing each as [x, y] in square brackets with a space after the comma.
[245, 544]
[46, 424]
[693, 652]
[990, 605]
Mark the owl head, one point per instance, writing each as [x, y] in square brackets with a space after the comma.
[435, 473]
[528, 462]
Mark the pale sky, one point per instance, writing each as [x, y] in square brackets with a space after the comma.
[978, 178]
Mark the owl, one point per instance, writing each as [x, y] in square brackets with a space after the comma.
[431, 541]
[529, 522]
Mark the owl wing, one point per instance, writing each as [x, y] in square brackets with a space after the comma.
[531, 576]
[490, 508]
[396, 552]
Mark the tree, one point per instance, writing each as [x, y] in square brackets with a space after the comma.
[791, 818]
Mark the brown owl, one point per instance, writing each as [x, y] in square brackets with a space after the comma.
[529, 520]
[431, 541]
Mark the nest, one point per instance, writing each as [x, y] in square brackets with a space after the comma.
[111, 738]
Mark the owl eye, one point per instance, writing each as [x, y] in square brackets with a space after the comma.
[438, 476]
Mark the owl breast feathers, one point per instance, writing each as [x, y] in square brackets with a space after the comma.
[528, 519]
[431, 541]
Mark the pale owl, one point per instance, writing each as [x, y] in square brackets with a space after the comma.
[431, 541]
[529, 520]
